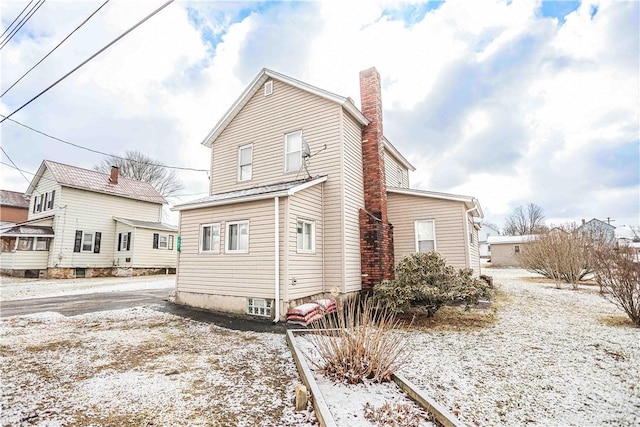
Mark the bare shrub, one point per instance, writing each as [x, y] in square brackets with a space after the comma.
[398, 415]
[563, 255]
[425, 283]
[618, 274]
[360, 343]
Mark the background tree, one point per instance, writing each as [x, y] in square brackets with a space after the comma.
[139, 166]
[525, 220]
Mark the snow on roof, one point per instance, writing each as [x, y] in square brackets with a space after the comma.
[146, 224]
[510, 239]
[14, 199]
[85, 179]
[29, 231]
[249, 194]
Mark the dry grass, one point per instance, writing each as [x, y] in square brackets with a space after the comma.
[616, 321]
[456, 318]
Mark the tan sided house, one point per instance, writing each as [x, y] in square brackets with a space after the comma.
[308, 197]
[84, 223]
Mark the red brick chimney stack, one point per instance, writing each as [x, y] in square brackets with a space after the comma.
[376, 234]
[114, 175]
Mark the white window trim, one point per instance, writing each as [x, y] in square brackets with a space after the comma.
[415, 230]
[124, 241]
[286, 170]
[253, 309]
[268, 88]
[166, 242]
[200, 240]
[240, 164]
[313, 236]
[227, 234]
[92, 234]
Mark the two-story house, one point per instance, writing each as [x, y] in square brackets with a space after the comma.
[84, 223]
[308, 197]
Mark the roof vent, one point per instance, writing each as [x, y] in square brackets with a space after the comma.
[268, 88]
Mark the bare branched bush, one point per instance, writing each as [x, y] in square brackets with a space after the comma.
[618, 273]
[359, 343]
[398, 415]
[563, 254]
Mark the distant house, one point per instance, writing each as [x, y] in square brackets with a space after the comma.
[14, 207]
[83, 223]
[599, 230]
[307, 197]
[505, 249]
[485, 231]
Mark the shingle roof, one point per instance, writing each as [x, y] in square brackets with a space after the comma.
[28, 230]
[14, 198]
[85, 179]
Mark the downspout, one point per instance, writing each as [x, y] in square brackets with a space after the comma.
[323, 266]
[277, 258]
[466, 227]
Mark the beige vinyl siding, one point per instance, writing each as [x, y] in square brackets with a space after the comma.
[353, 202]
[244, 274]
[264, 121]
[451, 237]
[24, 260]
[504, 254]
[392, 174]
[93, 212]
[145, 256]
[306, 268]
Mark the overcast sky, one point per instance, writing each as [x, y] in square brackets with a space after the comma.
[508, 101]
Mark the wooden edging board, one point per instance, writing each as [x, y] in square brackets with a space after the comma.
[325, 418]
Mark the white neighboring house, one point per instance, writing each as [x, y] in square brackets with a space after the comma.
[485, 231]
[84, 223]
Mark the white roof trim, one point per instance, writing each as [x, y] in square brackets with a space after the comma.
[470, 202]
[252, 198]
[497, 240]
[257, 83]
[395, 153]
[162, 227]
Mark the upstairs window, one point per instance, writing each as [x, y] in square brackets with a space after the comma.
[293, 151]
[237, 240]
[425, 235]
[245, 160]
[306, 236]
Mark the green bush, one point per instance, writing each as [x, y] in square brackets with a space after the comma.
[424, 282]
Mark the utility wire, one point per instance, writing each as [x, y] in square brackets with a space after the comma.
[14, 165]
[102, 152]
[23, 21]
[52, 50]
[89, 59]
[14, 21]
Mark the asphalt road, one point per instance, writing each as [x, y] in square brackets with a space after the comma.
[72, 305]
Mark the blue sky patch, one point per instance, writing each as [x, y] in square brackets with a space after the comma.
[558, 9]
[411, 13]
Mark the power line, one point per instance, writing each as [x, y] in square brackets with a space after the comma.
[90, 58]
[14, 165]
[24, 20]
[101, 152]
[52, 50]
[16, 18]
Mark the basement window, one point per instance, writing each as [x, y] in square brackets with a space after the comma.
[259, 307]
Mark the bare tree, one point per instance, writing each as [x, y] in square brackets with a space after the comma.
[139, 166]
[525, 220]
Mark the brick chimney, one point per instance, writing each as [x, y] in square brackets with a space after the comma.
[114, 175]
[376, 234]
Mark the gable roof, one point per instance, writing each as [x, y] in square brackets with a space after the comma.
[147, 224]
[251, 194]
[256, 84]
[471, 203]
[595, 222]
[98, 182]
[14, 199]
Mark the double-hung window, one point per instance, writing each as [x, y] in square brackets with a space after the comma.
[306, 236]
[210, 238]
[237, 238]
[245, 160]
[425, 235]
[293, 151]
[87, 242]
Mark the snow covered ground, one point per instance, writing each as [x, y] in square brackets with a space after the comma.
[13, 288]
[553, 357]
